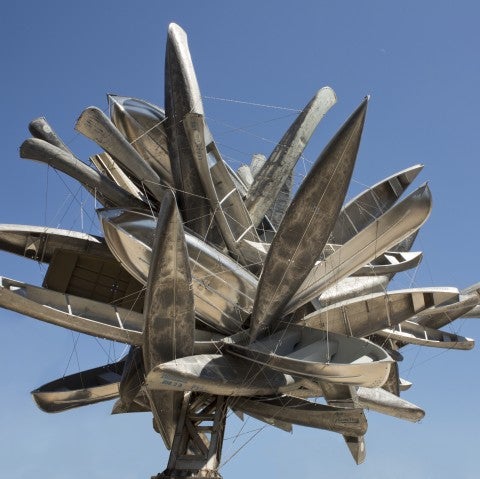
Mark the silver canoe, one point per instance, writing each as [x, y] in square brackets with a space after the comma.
[268, 181]
[142, 124]
[94, 124]
[305, 413]
[95, 318]
[182, 96]
[83, 315]
[169, 329]
[413, 333]
[307, 224]
[223, 290]
[379, 400]
[311, 353]
[39, 243]
[100, 186]
[221, 375]
[365, 315]
[359, 212]
[391, 262]
[379, 236]
[80, 389]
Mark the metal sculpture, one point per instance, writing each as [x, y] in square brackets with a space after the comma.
[229, 294]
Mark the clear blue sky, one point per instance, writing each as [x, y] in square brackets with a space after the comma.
[420, 63]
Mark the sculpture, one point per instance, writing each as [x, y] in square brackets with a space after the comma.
[230, 295]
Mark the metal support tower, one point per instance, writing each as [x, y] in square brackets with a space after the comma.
[197, 445]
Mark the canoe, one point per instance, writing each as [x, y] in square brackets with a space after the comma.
[142, 124]
[41, 129]
[220, 375]
[84, 315]
[379, 236]
[384, 402]
[365, 315]
[305, 413]
[446, 313]
[371, 203]
[391, 262]
[182, 96]
[268, 182]
[230, 213]
[40, 243]
[107, 166]
[307, 224]
[169, 329]
[95, 125]
[223, 290]
[311, 353]
[409, 332]
[100, 186]
[80, 389]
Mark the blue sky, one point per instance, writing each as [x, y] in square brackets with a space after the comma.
[420, 63]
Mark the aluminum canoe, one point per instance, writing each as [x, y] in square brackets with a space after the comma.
[80, 389]
[268, 182]
[100, 186]
[40, 243]
[94, 124]
[379, 236]
[182, 96]
[169, 328]
[384, 402]
[311, 353]
[84, 315]
[305, 413]
[142, 124]
[372, 203]
[307, 224]
[409, 332]
[446, 313]
[107, 166]
[222, 289]
[220, 375]
[391, 262]
[365, 315]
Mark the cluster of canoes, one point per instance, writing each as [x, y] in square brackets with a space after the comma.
[223, 284]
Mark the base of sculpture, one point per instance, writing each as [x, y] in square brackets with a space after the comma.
[197, 445]
[183, 474]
